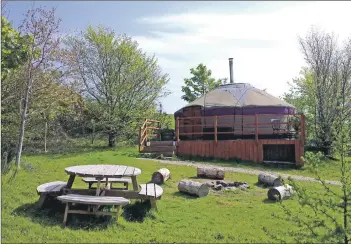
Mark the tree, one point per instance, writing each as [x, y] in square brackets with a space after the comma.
[50, 98]
[302, 97]
[200, 83]
[116, 76]
[324, 86]
[325, 217]
[14, 48]
[42, 26]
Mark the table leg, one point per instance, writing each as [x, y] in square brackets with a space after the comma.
[98, 187]
[153, 204]
[70, 181]
[117, 211]
[42, 200]
[135, 183]
[97, 194]
[66, 213]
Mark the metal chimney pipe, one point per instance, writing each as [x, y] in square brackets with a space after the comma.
[231, 70]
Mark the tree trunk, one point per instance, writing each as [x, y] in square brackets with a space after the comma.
[193, 188]
[270, 180]
[93, 135]
[111, 140]
[4, 164]
[211, 173]
[280, 193]
[160, 176]
[23, 122]
[45, 135]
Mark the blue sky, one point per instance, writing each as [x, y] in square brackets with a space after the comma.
[260, 36]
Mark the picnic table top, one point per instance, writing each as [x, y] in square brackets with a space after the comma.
[103, 170]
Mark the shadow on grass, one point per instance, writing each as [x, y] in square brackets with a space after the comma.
[263, 186]
[138, 211]
[203, 178]
[195, 178]
[268, 201]
[52, 215]
[236, 162]
[132, 154]
[184, 195]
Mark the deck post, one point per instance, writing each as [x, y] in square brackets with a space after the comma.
[302, 139]
[140, 140]
[256, 128]
[177, 132]
[215, 128]
[302, 126]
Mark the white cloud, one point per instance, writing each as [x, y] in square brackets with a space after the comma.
[263, 44]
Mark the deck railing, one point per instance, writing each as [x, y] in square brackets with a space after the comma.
[144, 133]
[276, 125]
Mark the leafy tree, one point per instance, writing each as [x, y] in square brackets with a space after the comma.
[324, 91]
[50, 99]
[325, 85]
[42, 26]
[301, 96]
[326, 217]
[120, 80]
[14, 48]
[200, 83]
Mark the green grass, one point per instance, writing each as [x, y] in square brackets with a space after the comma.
[219, 217]
[328, 170]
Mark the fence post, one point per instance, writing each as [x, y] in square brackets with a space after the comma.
[215, 128]
[177, 132]
[256, 128]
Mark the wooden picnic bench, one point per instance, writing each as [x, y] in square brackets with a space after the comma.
[92, 201]
[103, 194]
[92, 180]
[50, 189]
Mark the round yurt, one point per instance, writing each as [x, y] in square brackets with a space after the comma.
[235, 105]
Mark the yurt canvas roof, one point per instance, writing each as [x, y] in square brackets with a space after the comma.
[238, 95]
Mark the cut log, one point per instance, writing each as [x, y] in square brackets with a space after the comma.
[270, 180]
[210, 173]
[160, 176]
[280, 193]
[193, 188]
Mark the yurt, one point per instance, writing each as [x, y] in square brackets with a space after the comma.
[236, 105]
[237, 121]
[233, 103]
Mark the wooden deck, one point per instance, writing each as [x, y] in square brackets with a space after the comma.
[258, 138]
[250, 150]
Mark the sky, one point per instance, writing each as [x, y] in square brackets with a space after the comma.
[262, 37]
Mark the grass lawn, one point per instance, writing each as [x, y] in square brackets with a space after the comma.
[328, 170]
[219, 217]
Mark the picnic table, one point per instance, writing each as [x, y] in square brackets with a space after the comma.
[102, 195]
[103, 172]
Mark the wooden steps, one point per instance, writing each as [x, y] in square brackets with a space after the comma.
[165, 148]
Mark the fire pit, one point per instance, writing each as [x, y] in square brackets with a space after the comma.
[219, 185]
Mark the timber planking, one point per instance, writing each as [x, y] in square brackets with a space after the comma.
[250, 150]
